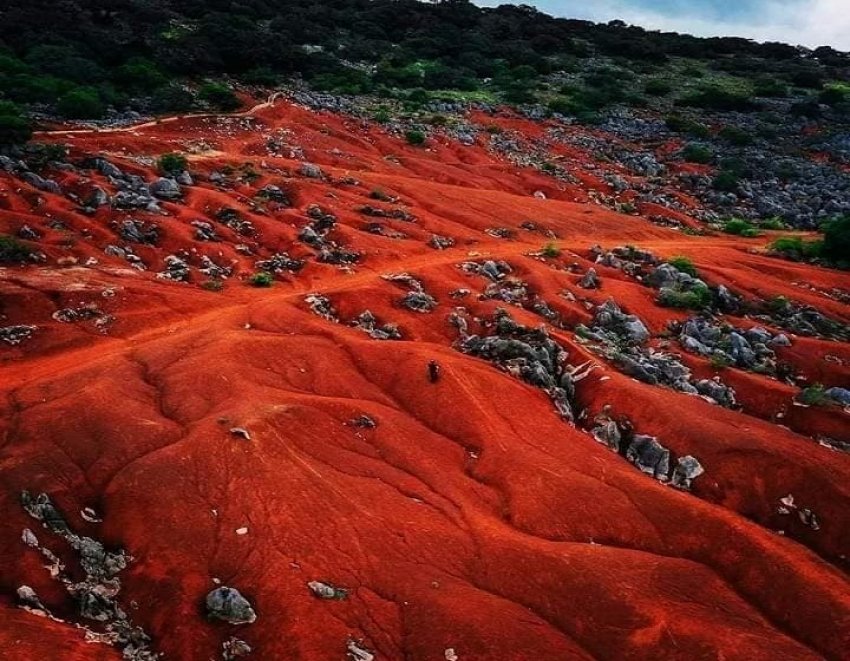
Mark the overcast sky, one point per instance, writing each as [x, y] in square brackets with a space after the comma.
[804, 22]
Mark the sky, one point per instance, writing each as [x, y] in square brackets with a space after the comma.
[798, 22]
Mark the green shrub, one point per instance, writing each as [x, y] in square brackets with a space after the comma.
[140, 74]
[415, 137]
[694, 299]
[657, 87]
[794, 247]
[219, 96]
[679, 124]
[694, 153]
[81, 103]
[171, 98]
[382, 116]
[836, 240]
[171, 164]
[833, 95]
[740, 227]
[814, 396]
[551, 250]
[718, 98]
[14, 127]
[720, 361]
[683, 264]
[213, 285]
[13, 251]
[773, 224]
[770, 88]
[809, 109]
[261, 279]
[736, 136]
[726, 181]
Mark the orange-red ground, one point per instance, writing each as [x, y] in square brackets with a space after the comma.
[472, 517]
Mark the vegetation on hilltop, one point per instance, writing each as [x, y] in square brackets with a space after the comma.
[80, 57]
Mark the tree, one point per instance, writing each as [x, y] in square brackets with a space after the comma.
[14, 127]
[219, 96]
[836, 239]
[81, 103]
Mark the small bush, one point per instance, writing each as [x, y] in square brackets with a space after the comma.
[773, 224]
[213, 285]
[551, 250]
[726, 181]
[832, 96]
[740, 227]
[736, 136]
[219, 96]
[794, 247]
[679, 124]
[657, 87]
[170, 164]
[694, 153]
[261, 279]
[809, 109]
[14, 127]
[415, 138]
[693, 299]
[770, 88]
[13, 251]
[81, 103]
[836, 240]
[814, 396]
[719, 361]
[718, 98]
[684, 265]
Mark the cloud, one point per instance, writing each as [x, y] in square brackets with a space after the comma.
[805, 22]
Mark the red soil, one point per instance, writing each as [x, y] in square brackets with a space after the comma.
[472, 517]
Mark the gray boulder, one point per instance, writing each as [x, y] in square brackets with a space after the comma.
[228, 604]
[166, 189]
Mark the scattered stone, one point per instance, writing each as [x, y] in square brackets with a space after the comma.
[280, 262]
[649, 456]
[274, 194]
[687, 469]
[438, 242]
[531, 355]
[327, 591]
[228, 604]
[363, 421]
[311, 171]
[166, 188]
[205, 231]
[367, 322]
[419, 301]
[591, 280]
[18, 334]
[241, 432]
[357, 652]
[176, 269]
[234, 648]
[321, 305]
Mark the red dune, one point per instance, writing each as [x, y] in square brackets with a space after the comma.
[471, 520]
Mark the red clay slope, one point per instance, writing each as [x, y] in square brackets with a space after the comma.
[471, 517]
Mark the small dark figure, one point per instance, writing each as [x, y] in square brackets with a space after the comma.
[433, 371]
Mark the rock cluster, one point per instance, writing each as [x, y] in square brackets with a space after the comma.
[96, 593]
